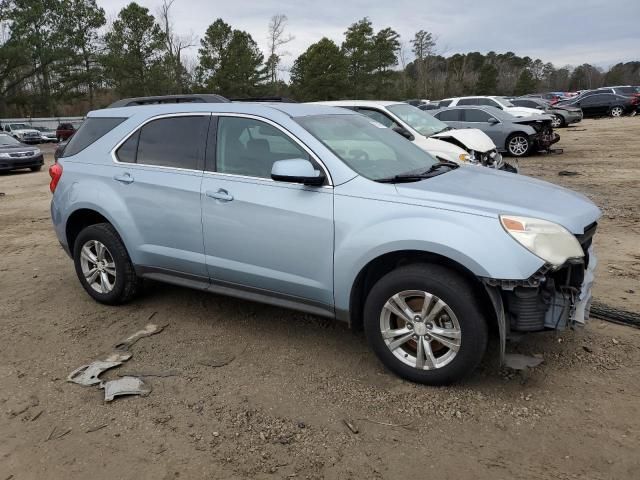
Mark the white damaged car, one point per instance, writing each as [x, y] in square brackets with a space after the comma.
[469, 145]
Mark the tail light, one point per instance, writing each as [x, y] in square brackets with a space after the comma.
[55, 172]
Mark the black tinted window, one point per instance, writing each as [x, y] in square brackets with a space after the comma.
[444, 103]
[525, 103]
[128, 150]
[250, 147]
[174, 142]
[476, 115]
[448, 115]
[91, 130]
[468, 101]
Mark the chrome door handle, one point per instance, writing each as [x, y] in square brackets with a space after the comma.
[221, 195]
[124, 178]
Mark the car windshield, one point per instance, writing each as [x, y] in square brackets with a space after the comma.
[419, 120]
[366, 146]
[504, 102]
[19, 126]
[8, 140]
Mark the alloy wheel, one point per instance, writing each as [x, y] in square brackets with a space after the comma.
[98, 267]
[420, 329]
[518, 145]
[616, 112]
[556, 122]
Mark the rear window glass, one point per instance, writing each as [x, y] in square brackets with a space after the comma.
[91, 130]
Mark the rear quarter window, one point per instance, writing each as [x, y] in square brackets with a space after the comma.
[90, 131]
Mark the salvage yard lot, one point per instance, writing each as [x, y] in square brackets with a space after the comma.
[260, 392]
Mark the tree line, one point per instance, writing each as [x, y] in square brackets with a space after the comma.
[62, 57]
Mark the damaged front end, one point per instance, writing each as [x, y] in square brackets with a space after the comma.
[552, 298]
[544, 137]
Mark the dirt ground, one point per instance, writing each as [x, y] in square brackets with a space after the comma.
[260, 392]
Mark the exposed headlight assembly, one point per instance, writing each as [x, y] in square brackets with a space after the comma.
[551, 242]
[464, 157]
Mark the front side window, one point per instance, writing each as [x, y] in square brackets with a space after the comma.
[476, 115]
[249, 147]
[419, 120]
[92, 129]
[468, 101]
[489, 102]
[177, 142]
[365, 146]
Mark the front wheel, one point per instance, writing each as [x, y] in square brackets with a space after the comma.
[518, 145]
[103, 265]
[557, 121]
[424, 324]
[616, 112]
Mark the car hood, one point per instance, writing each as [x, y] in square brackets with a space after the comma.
[522, 111]
[438, 147]
[486, 191]
[17, 148]
[471, 138]
[538, 117]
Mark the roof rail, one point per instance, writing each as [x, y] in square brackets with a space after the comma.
[196, 98]
[264, 99]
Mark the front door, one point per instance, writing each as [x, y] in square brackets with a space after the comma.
[266, 237]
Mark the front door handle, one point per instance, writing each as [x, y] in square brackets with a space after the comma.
[221, 195]
[125, 178]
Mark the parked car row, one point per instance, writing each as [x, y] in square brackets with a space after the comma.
[32, 134]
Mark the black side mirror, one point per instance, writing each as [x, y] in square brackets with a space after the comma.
[296, 170]
[403, 131]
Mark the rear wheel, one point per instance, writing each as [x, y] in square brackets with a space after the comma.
[518, 144]
[616, 111]
[103, 265]
[424, 324]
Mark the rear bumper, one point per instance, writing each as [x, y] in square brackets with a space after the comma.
[7, 164]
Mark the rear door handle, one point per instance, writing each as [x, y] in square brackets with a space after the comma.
[221, 195]
[125, 178]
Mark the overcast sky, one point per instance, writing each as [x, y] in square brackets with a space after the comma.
[569, 32]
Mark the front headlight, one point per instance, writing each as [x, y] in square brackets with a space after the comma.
[5, 155]
[36, 152]
[464, 157]
[551, 242]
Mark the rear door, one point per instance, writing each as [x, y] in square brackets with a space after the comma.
[158, 172]
[264, 237]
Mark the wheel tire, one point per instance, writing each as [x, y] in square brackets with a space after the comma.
[36, 169]
[557, 121]
[126, 284]
[616, 112]
[518, 145]
[459, 297]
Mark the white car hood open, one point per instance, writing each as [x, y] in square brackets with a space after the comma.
[472, 138]
[523, 111]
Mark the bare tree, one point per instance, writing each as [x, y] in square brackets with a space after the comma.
[277, 39]
[175, 45]
[424, 49]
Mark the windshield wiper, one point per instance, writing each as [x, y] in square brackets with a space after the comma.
[434, 170]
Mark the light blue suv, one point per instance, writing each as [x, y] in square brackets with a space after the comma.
[319, 209]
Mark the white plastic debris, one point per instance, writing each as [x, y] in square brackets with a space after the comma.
[124, 386]
[583, 305]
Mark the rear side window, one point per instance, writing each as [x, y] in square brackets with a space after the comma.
[177, 142]
[468, 101]
[91, 130]
[444, 103]
[449, 115]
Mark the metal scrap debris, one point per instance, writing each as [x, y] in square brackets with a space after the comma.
[124, 386]
[88, 375]
[351, 426]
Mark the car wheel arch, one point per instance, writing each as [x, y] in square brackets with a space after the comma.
[376, 268]
[82, 218]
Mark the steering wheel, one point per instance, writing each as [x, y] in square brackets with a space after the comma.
[359, 155]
